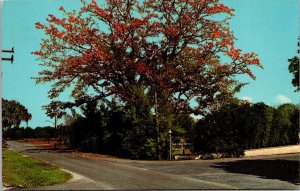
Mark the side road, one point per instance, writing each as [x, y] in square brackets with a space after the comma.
[273, 151]
[113, 175]
[127, 174]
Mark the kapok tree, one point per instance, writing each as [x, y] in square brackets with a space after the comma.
[181, 50]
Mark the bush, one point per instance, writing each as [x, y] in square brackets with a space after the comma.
[138, 144]
[90, 143]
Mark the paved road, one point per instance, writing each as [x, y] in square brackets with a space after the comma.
[129, 174]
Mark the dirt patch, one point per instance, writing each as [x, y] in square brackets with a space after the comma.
[52, 144]
[94, 155]
[39, 142]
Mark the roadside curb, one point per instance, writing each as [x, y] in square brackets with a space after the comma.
[9, 188]
[6, 188]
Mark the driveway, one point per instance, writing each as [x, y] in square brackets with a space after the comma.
[130, 174]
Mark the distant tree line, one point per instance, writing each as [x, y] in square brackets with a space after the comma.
[46, 133]
[130, 133]
[237, 127]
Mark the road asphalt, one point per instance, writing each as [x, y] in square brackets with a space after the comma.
[106, 174]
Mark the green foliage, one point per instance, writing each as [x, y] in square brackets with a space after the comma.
[13, 113]
[223, 131]
[138, 143]
[139, 134]
[237, 127]
[44, 132]
[26, 133]
[116, 131]
[261, 125]
[130, 130]
[54, 109]
[28, 172]
[285, 125]
[294, 128]
[117, 125]
[294, 69]
[86, 131]
[182, 127]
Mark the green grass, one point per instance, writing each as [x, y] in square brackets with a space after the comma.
[20, 170]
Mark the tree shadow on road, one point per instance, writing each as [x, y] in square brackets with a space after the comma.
[38, 150]
[284, 170]
[49, 149]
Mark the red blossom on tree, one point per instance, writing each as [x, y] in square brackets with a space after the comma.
[174, 48]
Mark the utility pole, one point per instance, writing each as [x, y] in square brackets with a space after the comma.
[1, 132]
[11, 59]
[170, 152]
[5, 59]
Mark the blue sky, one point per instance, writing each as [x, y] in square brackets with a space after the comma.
[268, 27]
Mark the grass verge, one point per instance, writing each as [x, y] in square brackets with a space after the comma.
[19, 170]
